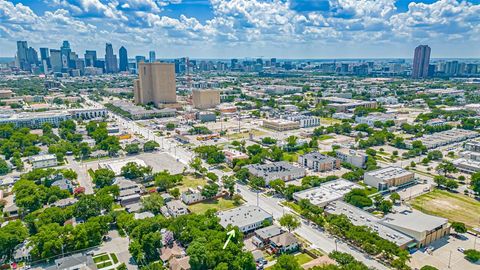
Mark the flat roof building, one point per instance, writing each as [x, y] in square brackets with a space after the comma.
[444, 138]
[155, 84]
[276, 170]
[326, 192]
[388, 177]
[36, 119]
[116, 166]
[356, 158]
[246, 218]
[319, 162]
[43, 161]
[205, 98]
[280, 124]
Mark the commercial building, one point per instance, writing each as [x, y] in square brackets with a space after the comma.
[5, 93]
[247, 218]
[88, 113]
[280, 124]
[359, 217]
[111, 65]
[205, 98]
[424, 228]
[379, 117]
[304, 121]
[467, 165]
[388, 177]
[155, 84]
[232, 154]
[356, 158]
[326, 192]
[37, 119]
[123, 55]
[346, 104]
[444, 138]
[319, 162]
[276, 170]
[43, 161]
[138, 112]
[421, 62]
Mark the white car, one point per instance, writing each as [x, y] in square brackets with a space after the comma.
[462, 250]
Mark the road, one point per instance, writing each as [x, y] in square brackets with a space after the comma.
[84, 179]
[318, 238]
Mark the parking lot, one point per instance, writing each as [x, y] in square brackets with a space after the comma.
[446, 250]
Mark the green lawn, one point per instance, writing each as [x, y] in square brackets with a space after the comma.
[104, 264]
[295, 207]
[101, 258]
[303, 258]
[220, 205]
[454, 206]
[114, 258]
[324, 137]
[329, 121]
[190, 181]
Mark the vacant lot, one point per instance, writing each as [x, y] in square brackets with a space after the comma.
[190, 181]
[455, 207]
[220, 205]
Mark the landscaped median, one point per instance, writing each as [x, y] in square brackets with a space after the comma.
[104, 260]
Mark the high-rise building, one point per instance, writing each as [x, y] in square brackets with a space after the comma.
[65, 50]
[421, 61]
[90, 58]
[122, 53]
[205, 98]
[155, 84]
[151, 57]
[56, 60]
[110, 59]
[32, 56]
[22, 55]
[45, 59]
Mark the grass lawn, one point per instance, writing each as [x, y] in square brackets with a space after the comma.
[454, 206]
[220, 204]
[114, 258]
[295, 207]
[101, 258]
[329, 121]
[303, 258]
[292, 157]
[190, 181]
[325, 137]
[104, 264]
[246, 135]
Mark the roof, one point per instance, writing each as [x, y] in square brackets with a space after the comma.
[389, 172]
[75, 261]
[116, 166]
[414, 220]
[180, 264]
[326, 192]
[284, 240]
[319, 157]
[243, 216]
[168, 251]
[38, 158]
[267, 232]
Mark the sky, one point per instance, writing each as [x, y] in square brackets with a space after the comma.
[246, 28]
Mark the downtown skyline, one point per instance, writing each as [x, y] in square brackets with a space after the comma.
[238, 28]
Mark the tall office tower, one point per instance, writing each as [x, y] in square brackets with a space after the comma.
[421, 60]
[155, 83]
[151, 57]
[22, 55]
[122, 53]
[45, 59]
[65, 50]
[233, 63]
[273, 62]
[110, 59]
[90, 58]
[32, 56]
[56, 60]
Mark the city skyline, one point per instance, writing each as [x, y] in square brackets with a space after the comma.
[235, 29]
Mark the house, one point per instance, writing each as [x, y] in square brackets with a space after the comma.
[247, 218]
[43, 161]
[22, 252]
[74, 262]
[11, 210]
[63, 184]
[180, 264]
[174, 208]
[171, 251]
[62, 203]
[284, 243]
[192, 196]
[262, 236]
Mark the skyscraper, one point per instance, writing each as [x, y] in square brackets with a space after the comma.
[155, 83]
[90, 58]
[151, 57]
[122, 53]
[65, 54]
[56, 60]
[110, 59]
[421, 60]
[45, 59]
[22, 55]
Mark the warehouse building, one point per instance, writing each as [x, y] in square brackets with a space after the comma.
[326, 192]
[388, 177]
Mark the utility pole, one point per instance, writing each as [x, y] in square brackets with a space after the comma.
[449, 259]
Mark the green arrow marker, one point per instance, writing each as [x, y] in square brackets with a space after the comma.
[230, 235]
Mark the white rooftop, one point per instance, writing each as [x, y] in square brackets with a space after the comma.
[326, 192]
[116, 166]
[389, 173]
[242, 216]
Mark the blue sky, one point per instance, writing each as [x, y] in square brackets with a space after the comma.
[246, 28]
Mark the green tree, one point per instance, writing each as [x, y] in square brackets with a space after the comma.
[12, 234]
[229, 184]
[103, 177]
[428, 267]
[4, 168]
[210, 190]
[150, 146]
[459, 227]
[475, 182]
[132, 170]
[286, 262]
[153, 203]
[132, 148]
[257, 182]
[451, 184]
[385, 206]
[446, 167]
[289, 221]
[278, 185]
[175, 192]
[472, 255]
[440, 180]
[395, 197]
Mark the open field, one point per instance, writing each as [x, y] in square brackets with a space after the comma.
[219, 204]
[190, 181]
[246, 135]
[303, 258]
[455, 207]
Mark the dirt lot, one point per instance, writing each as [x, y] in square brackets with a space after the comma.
[454, 206]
